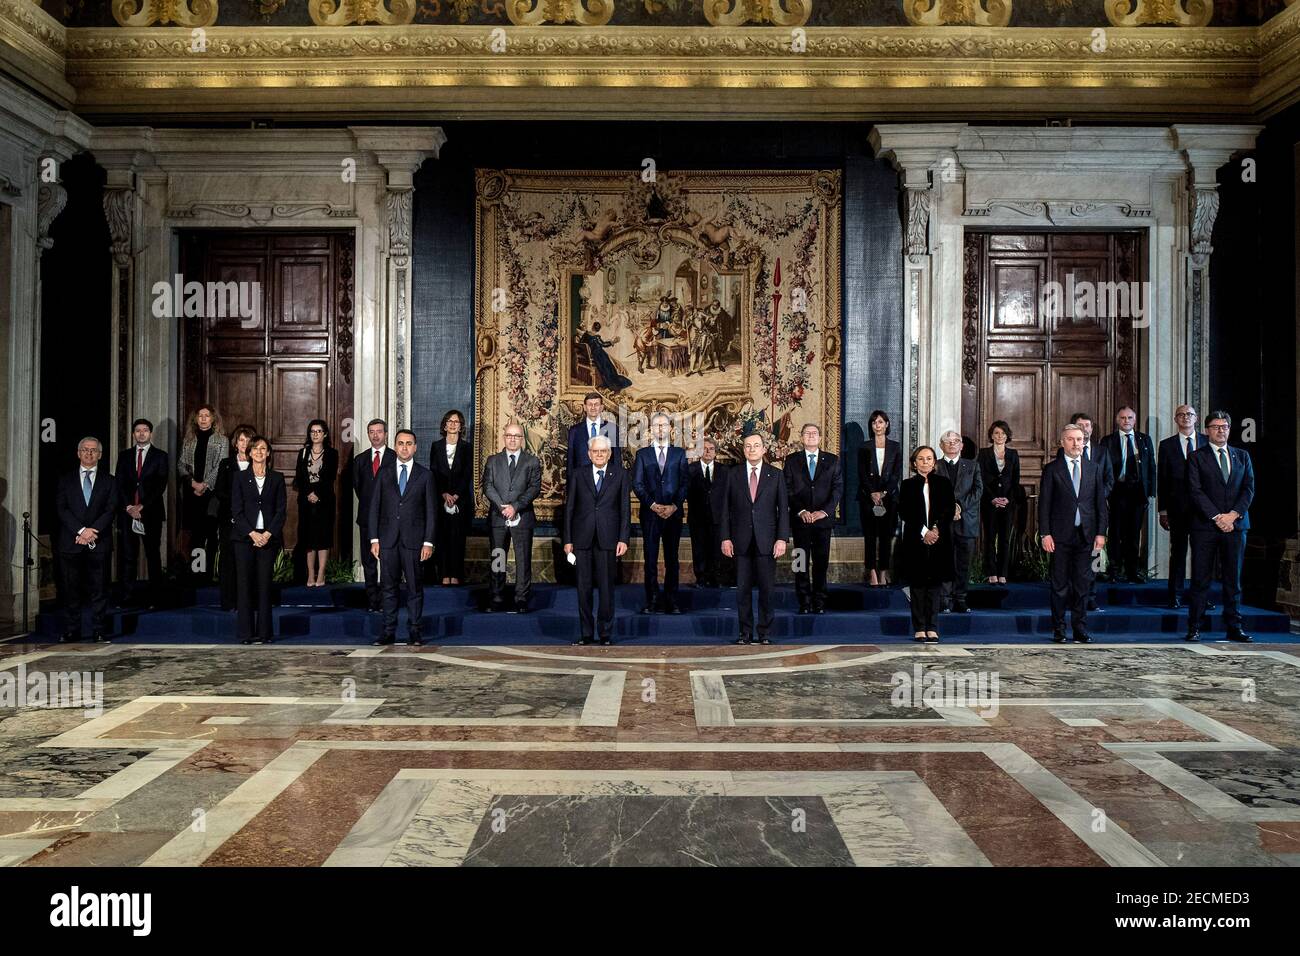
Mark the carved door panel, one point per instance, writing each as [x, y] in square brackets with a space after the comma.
[290, 359]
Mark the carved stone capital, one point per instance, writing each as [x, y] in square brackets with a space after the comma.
[970, 13]
[183, 13]
[1204, 207]
[587, 13]
[50, 200]
[118, 212]
[735, 13]
[1140, 13]
[397, 213]
[918, 221]
[342, 13]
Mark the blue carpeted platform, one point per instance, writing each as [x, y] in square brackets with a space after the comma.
[855, 614]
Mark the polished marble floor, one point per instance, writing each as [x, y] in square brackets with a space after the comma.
[1131, 755]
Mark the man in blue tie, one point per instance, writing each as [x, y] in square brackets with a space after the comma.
[1221, 482]
[1091, 452]
[597, 526]
[1133, 463]
[85, 501]
[660, 481]
[1173, 496]
[1072, 516]
[402, 517]
[814, 487]
[593, 423]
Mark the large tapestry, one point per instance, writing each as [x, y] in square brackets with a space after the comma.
[713, 296]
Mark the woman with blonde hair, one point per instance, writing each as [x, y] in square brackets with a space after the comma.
[203, 449]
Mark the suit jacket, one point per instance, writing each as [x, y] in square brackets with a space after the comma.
[1057, 500]
[456, 480]
[75, 514]
[871, 478]
[324, 489]
[1211, 495]
[246, 502]
[926, 564]
[363, 483]
[152, 483]
[1146, 463]
[967, 490]
[654, 487]
[403, 520]
[521, 491]
[765, 520]
[1173, 496]
[703, 499]
[578, 436]
[824, 492]
[601, 520]
[999, 484]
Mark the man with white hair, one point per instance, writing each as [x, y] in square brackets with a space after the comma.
[597, 526]
[85, 502]
[967, 487]
[1072, 516]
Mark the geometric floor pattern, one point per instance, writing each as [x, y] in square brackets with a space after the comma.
[1081, 755]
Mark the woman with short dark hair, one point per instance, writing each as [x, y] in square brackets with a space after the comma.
[926, 505]
[451, 460]
[313, 479]
[259, 506]
[1000, 470]
[880, 469]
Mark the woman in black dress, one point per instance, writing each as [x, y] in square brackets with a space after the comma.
[452, 463]
[313, 479]
[1000, 470]
[235, 462]
[880, 469]
[203, 448]
[258, 506]
[926, 505]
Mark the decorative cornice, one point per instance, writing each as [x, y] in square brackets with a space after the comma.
[1058, 212]
[260, 212]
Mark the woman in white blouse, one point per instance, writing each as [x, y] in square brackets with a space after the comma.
[451, 461]
[258, 509]
[926, 506]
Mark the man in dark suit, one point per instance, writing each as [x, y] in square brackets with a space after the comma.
[968, 488]
[705, 480]
[1173, 497]
[85, 501]
[1072, 515]
[597, 526]
[1133, 463]
[1092, 452]
[755, 525]
[593, 423]
[365, 477]
[814, 487]
[512, 480]
[402, 524]
[1221, 481]
[660, 481]
[141, 478]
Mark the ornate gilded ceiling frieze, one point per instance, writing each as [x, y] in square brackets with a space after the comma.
[183, 13]
[1139, 13]
[342, 13]
[977, 13]
[734, 13]
[587, 13]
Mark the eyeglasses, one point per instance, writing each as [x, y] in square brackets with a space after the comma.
[1218, 428]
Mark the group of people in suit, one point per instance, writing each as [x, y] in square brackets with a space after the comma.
[741, 516]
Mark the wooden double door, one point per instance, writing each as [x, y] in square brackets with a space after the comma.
[1031, 360]
[292, 360]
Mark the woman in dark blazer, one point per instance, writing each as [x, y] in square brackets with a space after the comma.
[236, 462]
[258, 505]
[880, 470]
[926, 505]
[313, 479]
[1000, 469]
[452, 462]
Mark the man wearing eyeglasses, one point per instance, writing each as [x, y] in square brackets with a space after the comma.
[1222, 485]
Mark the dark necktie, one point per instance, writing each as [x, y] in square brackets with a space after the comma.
[1223, 464]
[1189, 446]
[401, 482]
[512, 464]
[1132, 455]
[600, 480]
[139, 467]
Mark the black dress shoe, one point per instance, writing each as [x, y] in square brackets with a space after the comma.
[762, 639]
[70, 638]
[1092, 605]
[1081, 637]
[1174, 604]
[521, 608]
[649, 609]
[1058, 636]
[819, 609]
[495, 607]
[804, 609]
[100, 638]
[1240, 637]
[247, 640]
[672, 609]
[960, 608]
[414, 641]
[1192, 636]
[1211, 606]
[582, 640]
[606, 641]
[385, 641]
[743, 639]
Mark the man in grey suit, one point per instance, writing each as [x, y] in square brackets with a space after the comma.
[967, 487]
[512, 480]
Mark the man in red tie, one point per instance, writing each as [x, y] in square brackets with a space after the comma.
[141, 478]
[365, 475]
[754, 527]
